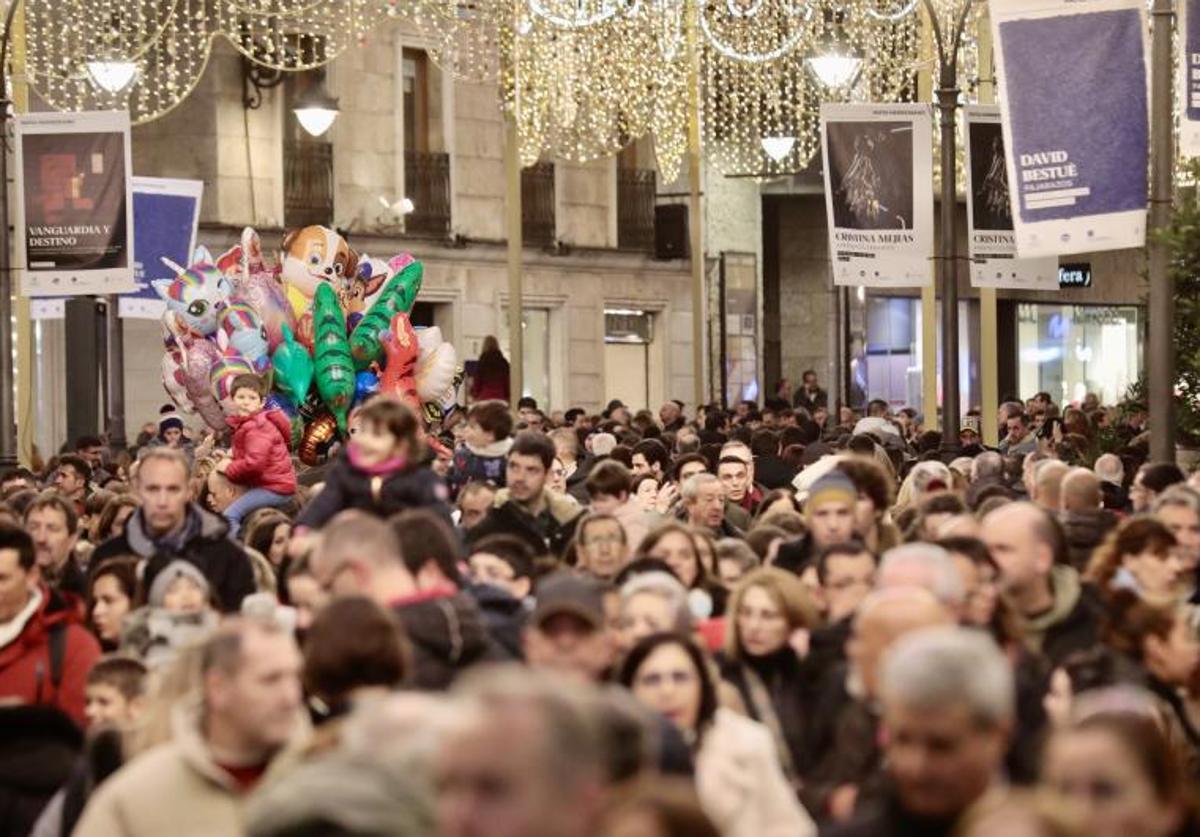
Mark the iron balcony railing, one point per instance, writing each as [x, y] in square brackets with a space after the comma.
[537, 204]
[307, 183]
[427, 185]
[636, 190]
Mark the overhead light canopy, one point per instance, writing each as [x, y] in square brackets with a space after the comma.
[316, 111]
[778, 148]
[113, 76]
[835, 67]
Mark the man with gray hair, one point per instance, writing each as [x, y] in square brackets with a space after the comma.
[1111, 471]
[1179, 510]
[704, 505]
[525, 759]
[948, 707]
[923, 565]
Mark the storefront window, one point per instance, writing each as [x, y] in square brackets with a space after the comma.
[1071, 350]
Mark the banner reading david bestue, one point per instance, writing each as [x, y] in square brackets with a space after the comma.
[1073, 95]
[1187, 89]
[879, 193]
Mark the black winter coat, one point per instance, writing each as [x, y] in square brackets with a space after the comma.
[350, 487]
[205, 543]
[448, 635]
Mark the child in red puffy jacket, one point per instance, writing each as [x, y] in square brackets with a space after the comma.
[260, 463]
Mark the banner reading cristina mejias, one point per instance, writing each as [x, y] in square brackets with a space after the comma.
[1076, 123]
[1188, 87]
[74, 210]
[990, 240]
[879, 193]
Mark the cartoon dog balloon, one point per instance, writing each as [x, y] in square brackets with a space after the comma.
[312, 256]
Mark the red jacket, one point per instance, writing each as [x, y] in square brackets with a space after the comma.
[25, 664]
[260, 452]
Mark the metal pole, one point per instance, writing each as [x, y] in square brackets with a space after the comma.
[1161, 366]
[116, 374]
[8, 427]
[694, 211]
[948, 104]
[723, 355]
[512, 204]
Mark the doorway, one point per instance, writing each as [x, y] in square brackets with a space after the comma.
[628, 335]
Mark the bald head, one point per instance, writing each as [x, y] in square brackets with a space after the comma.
[1025, 541]
[884, 617]
[359, 554]
[1047, 483]
[1081, 491]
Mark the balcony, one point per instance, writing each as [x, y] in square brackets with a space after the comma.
[307, 183]
[636, 190]
[427, 185]
[537, 204]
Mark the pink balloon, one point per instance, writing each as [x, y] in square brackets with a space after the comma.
[174, 380]
[200, 356]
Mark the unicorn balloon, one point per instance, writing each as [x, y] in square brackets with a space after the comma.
[246, 334]
[197, 294]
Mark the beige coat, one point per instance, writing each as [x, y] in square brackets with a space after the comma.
[741, 785]
[175, 789]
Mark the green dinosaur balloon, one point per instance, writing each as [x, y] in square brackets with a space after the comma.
[293, 367]
[335, 368]
[398, 296]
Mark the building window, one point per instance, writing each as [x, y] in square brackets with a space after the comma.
[537, 204]
[308, 183]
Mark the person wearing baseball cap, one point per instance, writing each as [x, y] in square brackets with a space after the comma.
[566, 632]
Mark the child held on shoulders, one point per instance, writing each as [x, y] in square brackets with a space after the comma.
[261, 461]
[381, 470]
[483, 455]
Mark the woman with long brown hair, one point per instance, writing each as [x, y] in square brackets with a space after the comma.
[491, 378]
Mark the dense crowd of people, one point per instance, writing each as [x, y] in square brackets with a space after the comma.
[769, 620]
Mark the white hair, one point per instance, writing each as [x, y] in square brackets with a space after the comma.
[936, 668]
[690, 489]
[1110, 468]
[944, 580]
[603, 443]
[668, 588]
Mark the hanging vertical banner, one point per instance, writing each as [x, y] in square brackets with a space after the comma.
[165, 216]
[1073, 94]
[1188, 86]
[879, 193]
[74, 209]
[990, 240]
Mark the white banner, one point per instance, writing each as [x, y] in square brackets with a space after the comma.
[74, 217]
[879, 193]
[990, 240]
[1188, 84]
[1075, 106]
[166, 213]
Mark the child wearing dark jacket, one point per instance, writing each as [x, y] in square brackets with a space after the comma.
[261, 461]
[380, 470]
[483, 455]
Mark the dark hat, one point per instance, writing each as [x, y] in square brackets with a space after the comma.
[167, 422]
[566, 592]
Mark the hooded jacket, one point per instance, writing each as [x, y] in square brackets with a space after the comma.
[486, 464]
[549, 533]
[38, 750]
[203, 540]
[1084, 530]
[447, 633]
[26, 668]
[177, 788]
[381, 490]
[1071, 624]
[260, 452]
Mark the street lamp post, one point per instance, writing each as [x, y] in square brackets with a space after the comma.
[8, 427]
[948, 44]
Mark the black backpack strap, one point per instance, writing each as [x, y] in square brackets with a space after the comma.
[58, 654]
